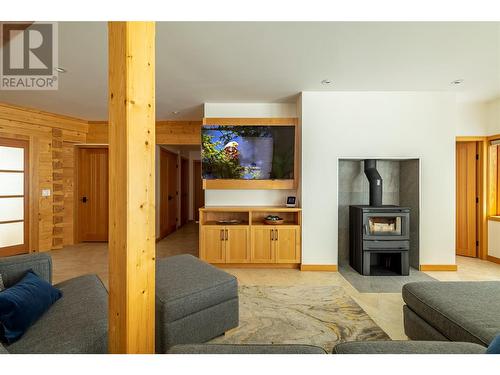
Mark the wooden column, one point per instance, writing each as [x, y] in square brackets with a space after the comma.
[131, 187]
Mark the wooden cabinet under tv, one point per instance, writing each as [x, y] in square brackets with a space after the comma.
[248, 241]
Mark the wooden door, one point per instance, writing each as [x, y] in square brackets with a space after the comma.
[237, 249]
[262, 245]
[213, 249]
[198, 193]
[287, 244]
[466, 195]
[93, 194]
[168, 192]
[14, 197]
[184, 191]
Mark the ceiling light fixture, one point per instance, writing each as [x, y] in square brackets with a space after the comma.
[457, 82]
[61, 70]
[326, 82]
[175, 112]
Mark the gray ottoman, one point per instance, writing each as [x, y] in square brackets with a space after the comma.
[454, 311]
[195, 302]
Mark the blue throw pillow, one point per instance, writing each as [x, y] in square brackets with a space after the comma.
[23, 304]
[494, 347]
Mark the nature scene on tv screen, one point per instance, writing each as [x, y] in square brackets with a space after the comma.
[247, 152]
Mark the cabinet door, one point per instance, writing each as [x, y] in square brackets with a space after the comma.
[262, 245]
[213, 245]
[237, 249]
[287, 245]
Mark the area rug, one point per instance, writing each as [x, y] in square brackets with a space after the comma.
[315, 315]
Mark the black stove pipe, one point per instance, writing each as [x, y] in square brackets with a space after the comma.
[375, 182]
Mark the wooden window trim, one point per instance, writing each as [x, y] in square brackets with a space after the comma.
[25, 247]
[493, 179]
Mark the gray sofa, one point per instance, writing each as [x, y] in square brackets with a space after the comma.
[452, 311]
[76, 323]
[408, 347]
[354, 347]
[195, 302]
[245, 349]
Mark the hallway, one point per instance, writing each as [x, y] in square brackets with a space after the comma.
[183, 241]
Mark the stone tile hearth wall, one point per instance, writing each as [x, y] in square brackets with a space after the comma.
[400, 183]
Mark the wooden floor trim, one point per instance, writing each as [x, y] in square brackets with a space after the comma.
[493, 259]
[438, 267]
[319, 267]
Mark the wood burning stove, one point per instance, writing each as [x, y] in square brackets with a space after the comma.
[379, 239]
[379, 236]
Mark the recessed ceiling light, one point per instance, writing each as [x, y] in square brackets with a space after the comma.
[326, 82]
[61, 70]
[175, 112]
[457, 82]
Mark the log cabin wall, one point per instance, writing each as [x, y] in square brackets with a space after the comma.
[168, 132]
[52, 139]
[51, 166]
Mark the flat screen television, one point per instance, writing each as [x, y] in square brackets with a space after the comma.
[248, 152]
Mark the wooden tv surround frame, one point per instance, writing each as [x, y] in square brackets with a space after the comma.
[257, 184]
[251, 242]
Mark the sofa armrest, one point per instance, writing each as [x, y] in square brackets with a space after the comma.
[14, 268]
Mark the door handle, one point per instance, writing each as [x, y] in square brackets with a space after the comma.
[170, 197]
[84, 199]
[227, 235]
[222, 234]
[276, 236]
[272, 234]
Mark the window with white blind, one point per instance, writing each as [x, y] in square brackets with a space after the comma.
[13, 196]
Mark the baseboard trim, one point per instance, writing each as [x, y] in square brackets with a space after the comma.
[438, 267]
[493, 259]
[256, 265]
[319, 267]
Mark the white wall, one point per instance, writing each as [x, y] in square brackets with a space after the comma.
[471, 119]
[494, 239]
[248, 197]
[375, 124]
[493, 117]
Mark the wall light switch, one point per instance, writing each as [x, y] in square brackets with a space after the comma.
[45, 192]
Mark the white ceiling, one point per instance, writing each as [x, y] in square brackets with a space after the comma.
[199, 62]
